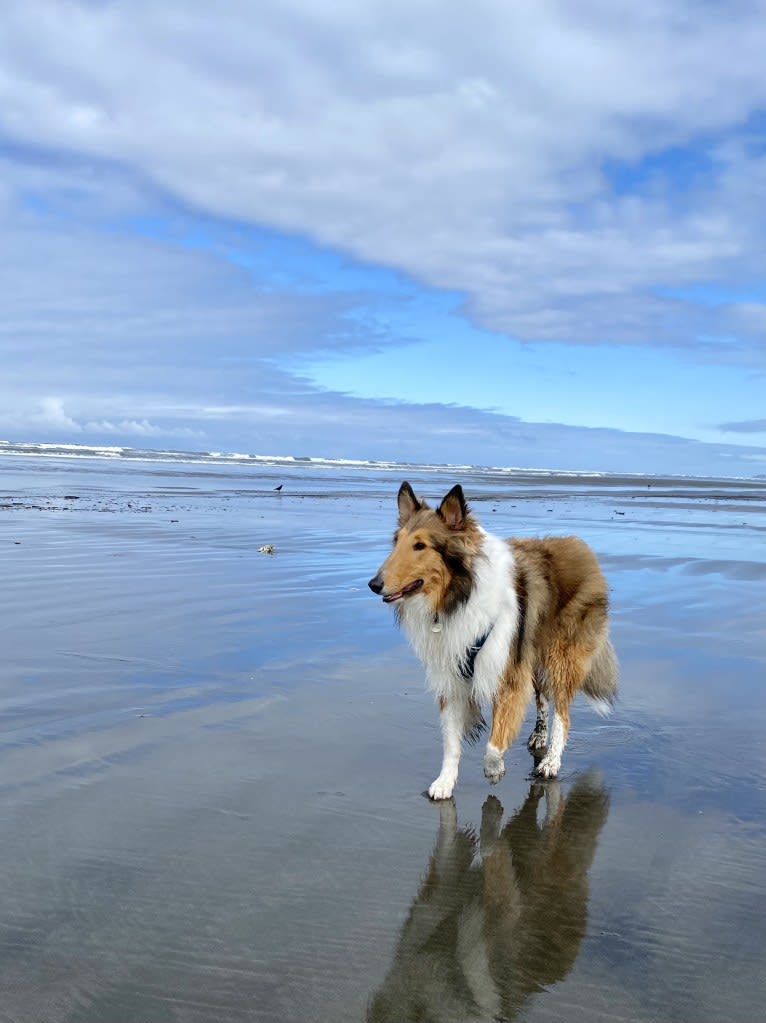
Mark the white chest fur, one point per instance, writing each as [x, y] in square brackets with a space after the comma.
[492, 605]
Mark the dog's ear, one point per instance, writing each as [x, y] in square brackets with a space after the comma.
[408, 503]
[453, 508]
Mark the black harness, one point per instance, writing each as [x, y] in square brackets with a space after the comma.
[467, 663]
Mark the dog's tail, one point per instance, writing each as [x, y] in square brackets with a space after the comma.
[600, 685]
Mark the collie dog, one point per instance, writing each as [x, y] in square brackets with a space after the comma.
[493, 622]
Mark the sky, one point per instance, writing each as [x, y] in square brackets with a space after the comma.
[501, 233]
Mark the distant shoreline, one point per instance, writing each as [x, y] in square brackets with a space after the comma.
[521, 474]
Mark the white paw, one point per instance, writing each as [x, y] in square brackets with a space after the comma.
[537, 740]
[493, 773]
[548, 767]
[442, 787]
[494, 767]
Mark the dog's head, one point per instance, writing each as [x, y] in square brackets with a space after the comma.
[433, 552]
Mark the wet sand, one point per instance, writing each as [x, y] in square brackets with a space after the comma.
[212, 762]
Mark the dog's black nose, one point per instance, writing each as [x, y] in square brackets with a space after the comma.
[376, 583]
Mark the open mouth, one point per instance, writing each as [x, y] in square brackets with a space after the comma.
[404, 592]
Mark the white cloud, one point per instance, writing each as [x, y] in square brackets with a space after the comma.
[461, 144]
[51, 413]
[142, 428]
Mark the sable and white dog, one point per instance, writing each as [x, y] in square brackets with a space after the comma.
[493, 622]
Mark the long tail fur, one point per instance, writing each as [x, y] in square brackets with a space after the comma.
[600, 685]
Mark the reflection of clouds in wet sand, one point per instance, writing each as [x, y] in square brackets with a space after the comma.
[484, 934]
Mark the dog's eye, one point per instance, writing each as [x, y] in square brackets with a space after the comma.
[419, 546]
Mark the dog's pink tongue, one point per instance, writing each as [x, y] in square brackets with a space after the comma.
[409, 588]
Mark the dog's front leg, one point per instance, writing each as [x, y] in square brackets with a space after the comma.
[508, 707]
[538, 740]
[453, 723]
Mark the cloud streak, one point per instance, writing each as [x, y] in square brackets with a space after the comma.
[745, 426]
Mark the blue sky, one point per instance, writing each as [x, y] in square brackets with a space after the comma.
[507, 234]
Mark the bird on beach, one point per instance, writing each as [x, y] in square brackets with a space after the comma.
[279, 487]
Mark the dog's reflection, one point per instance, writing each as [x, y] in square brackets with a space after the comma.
[498, 916]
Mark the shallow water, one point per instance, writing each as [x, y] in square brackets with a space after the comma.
[212, 761]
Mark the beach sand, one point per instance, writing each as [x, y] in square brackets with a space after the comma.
[212, 761]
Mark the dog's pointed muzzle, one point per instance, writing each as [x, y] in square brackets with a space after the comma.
[377, 586]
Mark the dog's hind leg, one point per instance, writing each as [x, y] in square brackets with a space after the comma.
[559, 732]
[566, 667]
[453, 721]
[538, 737]
[508, 709]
